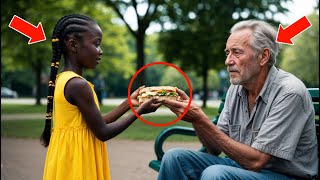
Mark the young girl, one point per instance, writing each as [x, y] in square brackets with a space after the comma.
[77, 149]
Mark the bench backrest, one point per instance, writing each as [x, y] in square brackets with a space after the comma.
[314, 92]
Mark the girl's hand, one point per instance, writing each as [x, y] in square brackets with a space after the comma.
[149, 106]
[134, 95]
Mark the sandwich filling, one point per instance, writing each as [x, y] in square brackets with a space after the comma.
[162, 92]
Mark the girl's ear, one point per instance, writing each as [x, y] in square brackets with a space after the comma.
[72, 45]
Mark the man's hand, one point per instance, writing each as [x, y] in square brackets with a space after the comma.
[178, 107]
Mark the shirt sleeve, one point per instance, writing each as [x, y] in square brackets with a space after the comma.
[281, 131]
[224, 117]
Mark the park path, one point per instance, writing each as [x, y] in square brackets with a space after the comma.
[23, 159]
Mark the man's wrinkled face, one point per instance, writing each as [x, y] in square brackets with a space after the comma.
[240, 61]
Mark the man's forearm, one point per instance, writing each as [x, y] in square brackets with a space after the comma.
[205, 136]
[215, 141]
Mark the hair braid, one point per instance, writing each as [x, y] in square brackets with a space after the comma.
[70, 24]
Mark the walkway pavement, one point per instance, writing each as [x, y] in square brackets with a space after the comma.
[24, 159]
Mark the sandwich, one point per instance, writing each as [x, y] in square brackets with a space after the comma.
[161, 92]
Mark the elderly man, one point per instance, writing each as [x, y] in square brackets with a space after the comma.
[266, 128]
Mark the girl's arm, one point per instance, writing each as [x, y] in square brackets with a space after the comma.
[116, 113]
[122, 108]
[84, 100]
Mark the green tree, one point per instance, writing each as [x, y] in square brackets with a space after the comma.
[199, 30]
[153, 74]
[152, 13]
[16, 54]
[302, 59]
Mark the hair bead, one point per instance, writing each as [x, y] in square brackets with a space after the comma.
[55, 40]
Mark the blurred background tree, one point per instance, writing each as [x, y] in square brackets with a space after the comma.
[19, 58]
[190, 34]
[302, 59]
[145, 13]
[198, 31]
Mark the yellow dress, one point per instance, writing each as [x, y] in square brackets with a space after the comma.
[73, 152]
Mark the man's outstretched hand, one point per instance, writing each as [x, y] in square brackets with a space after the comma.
[178, 107]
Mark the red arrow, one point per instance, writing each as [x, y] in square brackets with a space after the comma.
[285, 35]
[36, 34]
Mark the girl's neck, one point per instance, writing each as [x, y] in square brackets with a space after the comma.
[77, 71]
[72, 66]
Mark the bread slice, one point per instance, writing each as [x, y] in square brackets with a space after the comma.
[156, 88]
[160, 98]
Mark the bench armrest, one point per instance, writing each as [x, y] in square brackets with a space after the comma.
[158, 145]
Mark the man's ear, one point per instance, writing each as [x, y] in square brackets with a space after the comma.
[72, 43]
[264, 56]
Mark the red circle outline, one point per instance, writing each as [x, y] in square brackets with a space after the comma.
[129, 94]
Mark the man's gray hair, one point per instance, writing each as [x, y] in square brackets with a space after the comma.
[264, 36]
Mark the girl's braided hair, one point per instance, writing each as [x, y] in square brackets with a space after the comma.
[73, 24]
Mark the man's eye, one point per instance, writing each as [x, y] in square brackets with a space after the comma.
[237, 53]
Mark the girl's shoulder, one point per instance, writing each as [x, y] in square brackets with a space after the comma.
[68, 74]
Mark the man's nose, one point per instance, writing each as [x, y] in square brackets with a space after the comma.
[229, 59]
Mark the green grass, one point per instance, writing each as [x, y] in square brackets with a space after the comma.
[22, 128]
[29, 109]
[137, 131]
[141, 131]
[22, 109]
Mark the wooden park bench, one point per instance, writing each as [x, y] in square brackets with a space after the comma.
[179, 130]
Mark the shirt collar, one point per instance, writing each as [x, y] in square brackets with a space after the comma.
[265, 91]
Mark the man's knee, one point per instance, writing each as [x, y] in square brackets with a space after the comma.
[173, 154]
[216, 172]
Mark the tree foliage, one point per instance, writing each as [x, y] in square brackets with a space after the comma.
[152, 13]
[302, 59]
[36, 58]
[198, 30]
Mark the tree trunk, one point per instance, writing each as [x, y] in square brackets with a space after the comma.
[205, 80]
[140, 58]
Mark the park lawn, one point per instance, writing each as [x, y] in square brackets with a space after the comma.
[22, 128]
[30, 109]
[137, 131]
